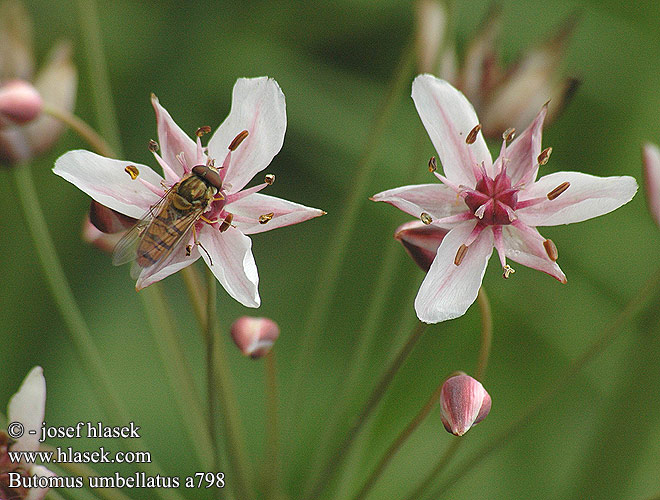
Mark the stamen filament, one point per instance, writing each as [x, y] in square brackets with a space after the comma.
[231, 198]
[157, 191]
[167, 170]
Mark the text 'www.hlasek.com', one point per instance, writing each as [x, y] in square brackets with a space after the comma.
[69, 455]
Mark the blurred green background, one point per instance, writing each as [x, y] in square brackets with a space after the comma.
[599, 439]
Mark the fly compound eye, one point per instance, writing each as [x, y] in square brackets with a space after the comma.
[209, 175]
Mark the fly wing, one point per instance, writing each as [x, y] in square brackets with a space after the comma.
[164, 237]
[126, 248]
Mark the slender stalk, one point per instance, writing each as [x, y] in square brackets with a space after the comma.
[178, 372]
[54, 495]
[89, 356]
[342, 451]
[195, 291]
[348, 382]
[211, 293]
[338, 243]
[208, 325]
[85, 471]
[82, 129]
[486, 333]
[484, 353]
[97, 70]
[234, 442]
[63, 296]
[601, 342]
[398, 442]
[272, 431]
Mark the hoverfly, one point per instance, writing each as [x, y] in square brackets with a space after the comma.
[168, 223]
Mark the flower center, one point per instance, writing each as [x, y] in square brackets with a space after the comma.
[493, 201]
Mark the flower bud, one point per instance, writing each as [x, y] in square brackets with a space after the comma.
[20, 102]
[105, 242]
[421, 241]
[651, 160]
[431, 23]
[463, 402]
[511, 96]
[254, 336]
[108, 220]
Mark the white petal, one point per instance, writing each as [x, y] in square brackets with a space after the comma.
[529, 251]
[437, 200]
[27, 406]
[232, 263]
[258, 106]
[39, 493]
[448, 118]
[651, 156]
[523, 153]
[173, 141]
[448, 290]
[284, 212]
[587, 196]
[105, 180]
[174, 262]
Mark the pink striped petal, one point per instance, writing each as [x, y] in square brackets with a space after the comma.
[231, 261]
[258, 106]
[448, 118]
[105, 180]
[435, 199]
[173, 141]
[526, 248]
[448, 290]
[522, 154]
[588, 196]
[284, 213]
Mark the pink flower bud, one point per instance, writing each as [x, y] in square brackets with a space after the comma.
[463, 402]
[651, 160]
[421, 241]
[20, 102]
[108, 220]
[254, 336]
[105, 242]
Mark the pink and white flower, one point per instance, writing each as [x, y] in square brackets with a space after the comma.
[258, 107]
[26, 407]
[490, 205]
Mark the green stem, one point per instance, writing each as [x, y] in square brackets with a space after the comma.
[486, 333]
[272, 433]
[178, 372]
[338, 243]
[484, 353]
[66, 304]
[97, 70]
[211, 293]
[85, 471]
[562, 380]
[220, 389]
[63, 296]
[54, 495]
[342, 451]
[82, 129]
[398, 442]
